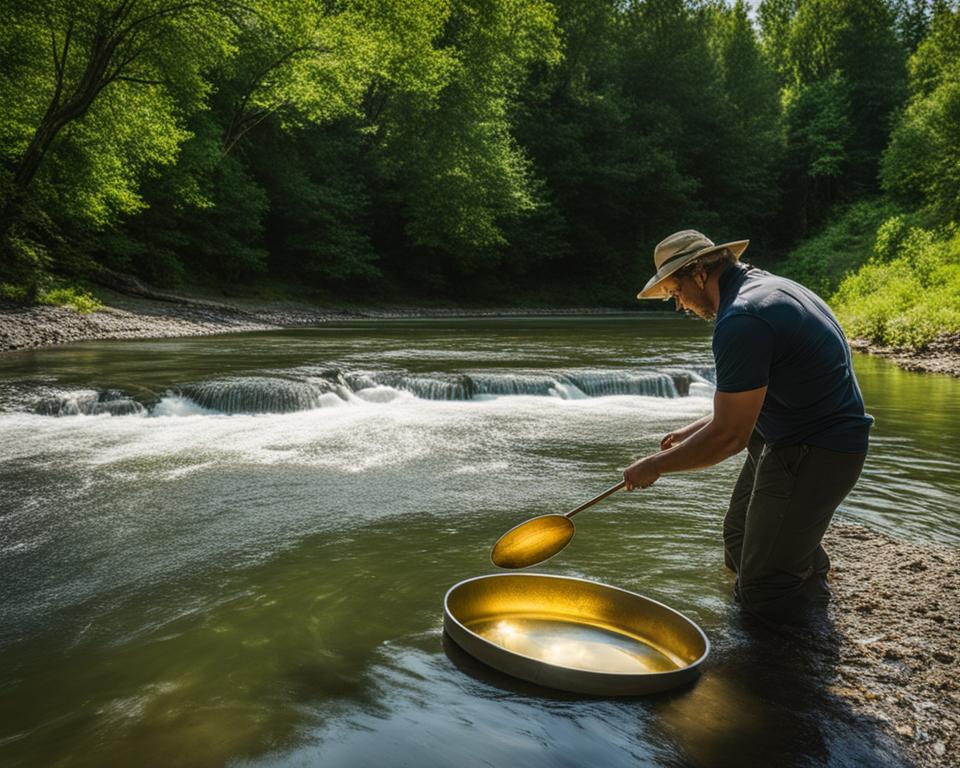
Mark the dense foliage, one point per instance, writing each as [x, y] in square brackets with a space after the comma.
[910, 292]
[892, 265]
[468, 150]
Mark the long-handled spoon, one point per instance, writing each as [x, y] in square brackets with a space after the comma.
[540, 537]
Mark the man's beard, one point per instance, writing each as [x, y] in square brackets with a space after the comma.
[704, 313]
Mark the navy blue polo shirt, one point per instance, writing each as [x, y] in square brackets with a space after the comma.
[773, 332]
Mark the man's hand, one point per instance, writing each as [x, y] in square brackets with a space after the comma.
[679, 435]
[676, 437]
[642, 473]
[704, 443]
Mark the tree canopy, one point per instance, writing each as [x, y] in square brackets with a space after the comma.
[460, 149]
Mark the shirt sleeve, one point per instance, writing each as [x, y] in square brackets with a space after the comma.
[743, 353]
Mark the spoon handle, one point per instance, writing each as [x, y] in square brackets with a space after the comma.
[595, 499]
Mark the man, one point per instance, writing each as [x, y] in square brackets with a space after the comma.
[787, 393]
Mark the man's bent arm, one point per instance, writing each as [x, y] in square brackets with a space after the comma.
[727, 433]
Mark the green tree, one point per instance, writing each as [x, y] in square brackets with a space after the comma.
[450, 162]
[842, 68]
[912, 21]
[92, 99]
[921, 167]
[743, 191]
[774, 18]
[319, 223]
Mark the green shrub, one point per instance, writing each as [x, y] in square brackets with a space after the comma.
[909, 300]
[12, 292]
[75, 298]
[822, 262]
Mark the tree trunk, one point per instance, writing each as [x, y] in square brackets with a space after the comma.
[58, 115]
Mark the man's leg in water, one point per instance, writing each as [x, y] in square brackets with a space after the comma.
[735, 520]
[783, 566]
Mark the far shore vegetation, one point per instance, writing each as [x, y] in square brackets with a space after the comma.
[466, 152]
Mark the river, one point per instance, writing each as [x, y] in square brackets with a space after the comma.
[233, 549]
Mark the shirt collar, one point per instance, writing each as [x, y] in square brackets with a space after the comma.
[730, 282]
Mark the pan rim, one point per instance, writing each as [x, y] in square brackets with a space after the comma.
[448, 613]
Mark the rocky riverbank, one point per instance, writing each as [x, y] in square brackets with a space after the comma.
[896, 631]
[941, 356]
[29, 327]
[39, 326]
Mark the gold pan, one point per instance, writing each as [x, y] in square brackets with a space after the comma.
[573, 634]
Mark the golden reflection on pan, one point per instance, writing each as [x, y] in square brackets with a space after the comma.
[574, 634]
[579, 646]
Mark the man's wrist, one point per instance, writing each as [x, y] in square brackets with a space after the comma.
[654, 459]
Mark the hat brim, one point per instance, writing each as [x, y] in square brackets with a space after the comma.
[654, 288]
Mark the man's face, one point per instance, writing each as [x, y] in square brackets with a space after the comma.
[689, 293]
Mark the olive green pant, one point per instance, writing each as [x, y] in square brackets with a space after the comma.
[781, 506]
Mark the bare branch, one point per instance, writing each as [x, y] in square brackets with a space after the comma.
[68, 36]
[163, 12]
[56, 51]
[251, 122]
[139, 80]
[240, 121]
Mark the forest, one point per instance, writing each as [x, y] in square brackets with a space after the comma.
[508, 152]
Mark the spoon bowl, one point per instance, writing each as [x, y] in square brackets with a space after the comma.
[533, 541]
[540, 538]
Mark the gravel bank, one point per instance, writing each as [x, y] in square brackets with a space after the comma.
[896, 626]
[39, 326]
[941, 356]
[30, 327]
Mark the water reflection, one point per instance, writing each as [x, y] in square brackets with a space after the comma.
[910, 484]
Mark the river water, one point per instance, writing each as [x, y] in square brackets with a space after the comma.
[233, 550]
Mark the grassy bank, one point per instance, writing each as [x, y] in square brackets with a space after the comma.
[890, 280]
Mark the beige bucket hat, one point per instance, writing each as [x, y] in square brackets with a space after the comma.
[678, 250]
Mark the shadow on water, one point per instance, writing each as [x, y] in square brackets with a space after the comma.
[763, 699]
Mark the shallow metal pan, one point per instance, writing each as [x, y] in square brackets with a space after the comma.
[573, 634]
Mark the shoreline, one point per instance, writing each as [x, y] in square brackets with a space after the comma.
[941, 356]
[34, 327]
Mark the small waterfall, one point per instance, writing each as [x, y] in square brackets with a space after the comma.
[514, 384]
[699, 381]
[90, 403]
[567, 391]
[426, 387]
[258, 394]
[458, 386]
[707, 372]
[599, 383]
[291, 392]
[563, 384]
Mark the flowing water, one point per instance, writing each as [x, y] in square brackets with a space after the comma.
[233, 550]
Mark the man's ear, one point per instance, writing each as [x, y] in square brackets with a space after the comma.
[700, 278]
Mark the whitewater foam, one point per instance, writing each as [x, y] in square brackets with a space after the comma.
[326, 388]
